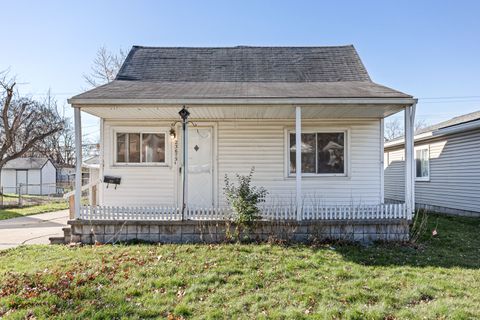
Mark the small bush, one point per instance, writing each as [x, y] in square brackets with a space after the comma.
[244, 198]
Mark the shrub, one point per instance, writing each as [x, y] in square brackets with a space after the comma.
[244, 198]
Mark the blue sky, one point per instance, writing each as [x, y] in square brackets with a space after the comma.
[429, 49]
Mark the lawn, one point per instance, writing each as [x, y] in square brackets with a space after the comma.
[437, 278]
[7, 213]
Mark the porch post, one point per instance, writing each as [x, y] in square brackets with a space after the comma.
[78, 160]
[298, 160]
[409, 160]
[184, 115]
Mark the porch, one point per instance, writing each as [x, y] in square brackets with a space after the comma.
[348, 195]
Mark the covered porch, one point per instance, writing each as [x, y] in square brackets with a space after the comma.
[301, 113]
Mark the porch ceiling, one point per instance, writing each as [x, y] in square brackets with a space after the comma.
[330, 111]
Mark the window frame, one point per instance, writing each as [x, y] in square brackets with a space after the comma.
[141, 132]
[346, 154]
[424, 147]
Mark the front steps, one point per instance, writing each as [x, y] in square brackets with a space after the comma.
[66, 239]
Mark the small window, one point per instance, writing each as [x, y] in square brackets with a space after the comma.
[140, 147]
[422, 164]
[322, 153]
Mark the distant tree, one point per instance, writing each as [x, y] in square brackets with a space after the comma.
[105, 67]
[24, 122]
[394, 128]
[420, 124]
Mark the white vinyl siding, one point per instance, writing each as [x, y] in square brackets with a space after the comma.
[454, 173]
[49, 178]
[141, 185]
[262, 144]
[9, 180]
[243, 144]
[34, 181]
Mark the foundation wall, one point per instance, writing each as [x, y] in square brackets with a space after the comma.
[364, 231]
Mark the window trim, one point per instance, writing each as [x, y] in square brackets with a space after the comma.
[346, 164]
[140, 131]
[424, 147]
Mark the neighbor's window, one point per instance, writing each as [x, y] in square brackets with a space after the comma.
[140, 147]
[322, 153]
[422, 164]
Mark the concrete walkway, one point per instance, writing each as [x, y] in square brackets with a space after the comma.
[34, 229]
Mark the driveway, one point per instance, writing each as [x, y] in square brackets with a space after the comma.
[34, 229]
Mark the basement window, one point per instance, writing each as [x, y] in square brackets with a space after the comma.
[422, 163]
[139, 147]
[323, 153]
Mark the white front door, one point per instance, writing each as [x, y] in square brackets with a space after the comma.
[200, 167]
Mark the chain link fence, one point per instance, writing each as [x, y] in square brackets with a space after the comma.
[33, 194]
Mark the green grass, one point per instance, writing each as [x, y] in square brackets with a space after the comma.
[8, 213]
[438, 278]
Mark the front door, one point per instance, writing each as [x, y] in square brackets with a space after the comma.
[200, 167]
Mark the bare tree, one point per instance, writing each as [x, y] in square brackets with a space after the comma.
[105, 67]
[24, 122]
[420, 124]
[394, 128]
[60, 146]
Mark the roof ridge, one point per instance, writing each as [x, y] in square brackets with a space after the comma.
[239, 46]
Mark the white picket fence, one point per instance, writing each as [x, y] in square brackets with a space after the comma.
[319, 212]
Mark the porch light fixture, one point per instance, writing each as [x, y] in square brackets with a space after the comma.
[172, 133]
[184, 113]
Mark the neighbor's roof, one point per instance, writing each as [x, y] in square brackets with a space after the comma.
[241, 72]
[26, 163]
[458, 124]
[452, 122]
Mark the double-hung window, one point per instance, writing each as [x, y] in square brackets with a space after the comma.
[140, 147]
[323, 153]
[422, 163]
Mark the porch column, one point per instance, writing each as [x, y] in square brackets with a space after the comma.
[78, 160]
[298, 160]
[409, 160]
[184, 115]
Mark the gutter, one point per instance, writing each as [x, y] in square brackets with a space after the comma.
[79, 102]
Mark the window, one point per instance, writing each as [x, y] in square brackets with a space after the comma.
[140, 147]
[322, 153]
[422, 164]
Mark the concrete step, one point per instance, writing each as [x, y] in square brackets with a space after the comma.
[57, 240]
[67, 231]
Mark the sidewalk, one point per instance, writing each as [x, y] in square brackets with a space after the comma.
[34, 229]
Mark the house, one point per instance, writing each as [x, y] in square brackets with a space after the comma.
[65, 174]
[90, 175]
[35, 176]
[222, 111]
[447, 171]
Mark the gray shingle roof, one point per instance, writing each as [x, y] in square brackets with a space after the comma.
[241, 72]
[244, 64]
[121, 89]
[26, 163]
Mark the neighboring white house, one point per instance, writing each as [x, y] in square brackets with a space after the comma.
[35, 176]
[447, 157]
[248, 107]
